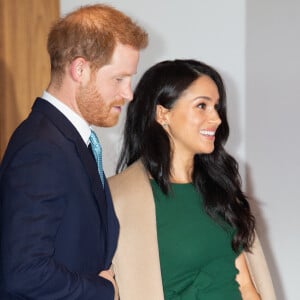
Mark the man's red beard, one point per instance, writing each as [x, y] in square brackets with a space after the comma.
[94, 109]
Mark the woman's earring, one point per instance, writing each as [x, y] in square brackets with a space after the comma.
[165, 125]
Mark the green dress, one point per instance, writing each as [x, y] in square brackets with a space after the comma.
[196, 258]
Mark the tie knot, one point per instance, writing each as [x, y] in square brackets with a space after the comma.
[94, 140]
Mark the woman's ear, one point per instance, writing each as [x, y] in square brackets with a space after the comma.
[162, 115]
[79, 69]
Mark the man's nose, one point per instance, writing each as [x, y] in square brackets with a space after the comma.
[127, 93]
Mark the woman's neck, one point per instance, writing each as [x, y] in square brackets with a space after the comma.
[181, 169]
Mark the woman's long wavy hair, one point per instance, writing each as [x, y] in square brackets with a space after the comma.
[215, 175]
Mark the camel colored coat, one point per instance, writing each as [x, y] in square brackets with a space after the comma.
[136, 262]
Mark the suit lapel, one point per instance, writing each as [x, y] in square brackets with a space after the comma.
[91, 169]
[112, 226]
[70, 133]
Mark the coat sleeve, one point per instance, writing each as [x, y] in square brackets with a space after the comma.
[32, 187]
[259, 271]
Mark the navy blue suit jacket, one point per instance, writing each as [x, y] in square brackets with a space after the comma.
[58, 225]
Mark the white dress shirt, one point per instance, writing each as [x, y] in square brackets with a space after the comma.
[79, 123]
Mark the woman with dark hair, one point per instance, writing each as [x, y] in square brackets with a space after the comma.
[186, 229]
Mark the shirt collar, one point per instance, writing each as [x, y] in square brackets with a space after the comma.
[78, 122]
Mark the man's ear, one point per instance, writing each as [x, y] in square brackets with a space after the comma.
[162, 115]
[79, 69]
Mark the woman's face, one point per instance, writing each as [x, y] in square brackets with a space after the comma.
[193, 120]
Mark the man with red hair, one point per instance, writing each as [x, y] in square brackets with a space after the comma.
[58, 227]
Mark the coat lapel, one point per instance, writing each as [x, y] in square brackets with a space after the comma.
[136, 261]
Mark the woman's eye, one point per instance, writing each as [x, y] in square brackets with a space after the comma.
[202, 105]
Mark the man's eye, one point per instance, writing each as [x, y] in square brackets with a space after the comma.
[119, 79]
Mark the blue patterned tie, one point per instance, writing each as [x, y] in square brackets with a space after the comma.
[97, 151]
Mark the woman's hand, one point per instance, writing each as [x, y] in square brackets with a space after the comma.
[110, 275]
[244, 280]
